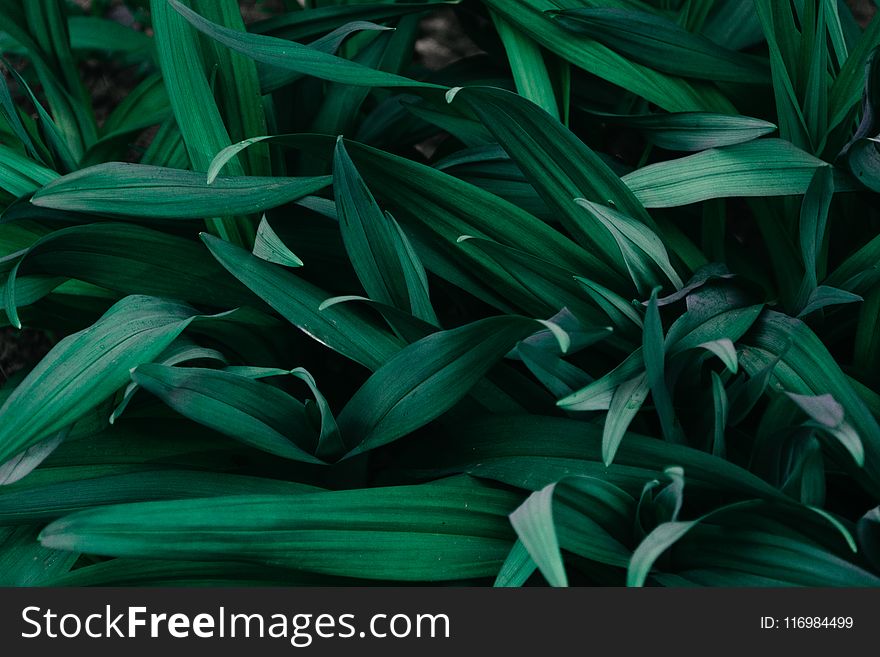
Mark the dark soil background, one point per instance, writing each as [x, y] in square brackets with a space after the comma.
[442, 41]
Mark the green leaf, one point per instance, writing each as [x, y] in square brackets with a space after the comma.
[671, 93]
[95, 33]
[846, 89]
[791, 543]
[340, 328]
[65, 140]
[235, 85]
[517, 568]
[777, 24]
[258, 414]
[868, 529]
[766, 167]
[655, 352]
[824, 296]
[21, 465]
[85, 368]
[41, 501]
[621, 313]
[867, 347]
[150, 572]
[650, 549]
[297, 25]
[533, 522]
[812, 71]
[271, 248]
[625, 404]
[15, 121]
[531, 451]
[527, 64]
[145, 191]
[147, 105]
[597, 395]
[692, 131]
[436, 209]
[273, 78]
[129, 259]
[294, 56]
[183, 64]
[444, 531]
[330, 445]
[639, 246]
[550, 285]
[182, 350]
[714, 322]
[426, 379]
[806, 368]
[559, 165]
[864, 162]
[560, 377]
[659, 43]
[20, 175]
[829, 415]
[382, 256]
[24, 562]
[584, 515]
[720, 406]
[726, 352]
[813, 219]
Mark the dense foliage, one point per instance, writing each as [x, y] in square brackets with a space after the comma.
[598, 304]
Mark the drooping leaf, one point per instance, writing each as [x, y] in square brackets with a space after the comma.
[258, 414]
[270, 247]
[85, 368]
[583, 515]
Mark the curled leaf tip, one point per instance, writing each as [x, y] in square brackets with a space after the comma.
[450, 95]
[561, 335]
[332, 301]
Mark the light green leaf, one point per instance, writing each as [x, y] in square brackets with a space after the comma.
[625, 404]
[726, 352]
[270, 247]
[765, 167]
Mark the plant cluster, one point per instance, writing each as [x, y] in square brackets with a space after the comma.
[597, 305]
